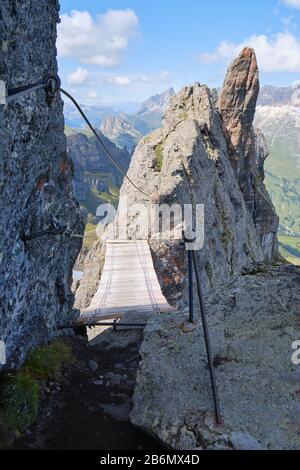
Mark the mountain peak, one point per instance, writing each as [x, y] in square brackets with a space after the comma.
[158, 102]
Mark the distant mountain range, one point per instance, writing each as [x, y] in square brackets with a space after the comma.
[281, 127]
[279, 96]
[96, 179]
[124, 129]
[157, 103]
[96, 114]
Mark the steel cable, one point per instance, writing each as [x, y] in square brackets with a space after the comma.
[104, 147]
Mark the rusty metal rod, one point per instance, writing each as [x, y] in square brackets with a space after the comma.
[191, 287]
[207, 342]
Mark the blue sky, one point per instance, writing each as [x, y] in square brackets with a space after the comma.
[126, 50]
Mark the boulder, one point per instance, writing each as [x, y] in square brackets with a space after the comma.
[253, 322]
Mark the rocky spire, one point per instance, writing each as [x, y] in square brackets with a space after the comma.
[246, 147]
[237, 104]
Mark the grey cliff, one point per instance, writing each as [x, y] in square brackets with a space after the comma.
[35, 186]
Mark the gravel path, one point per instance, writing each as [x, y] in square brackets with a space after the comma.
[88, 406]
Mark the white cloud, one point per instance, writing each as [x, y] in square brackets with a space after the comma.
[98, 79]
[92, 94]
[278, 53]
[78, 77]
[163, 77]
[121, 81]
[98, 41]
[292, 3]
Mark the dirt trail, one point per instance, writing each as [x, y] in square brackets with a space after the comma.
[88, 406]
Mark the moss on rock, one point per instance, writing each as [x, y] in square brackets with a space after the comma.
[159, 157]
[20, 391]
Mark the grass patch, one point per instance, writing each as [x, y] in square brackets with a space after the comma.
[255, 270]
[90, 227]
[19, 403]
[90, 235]
[46, 362]
[69, 131]
[20, 391]
[291, 260]
[290, 249]
[159, 149]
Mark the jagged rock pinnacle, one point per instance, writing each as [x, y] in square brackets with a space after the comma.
[238, 101]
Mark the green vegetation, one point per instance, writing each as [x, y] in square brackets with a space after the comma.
[20, 391]
[226, 238]
[283, 171]
[255, 270]
[285, 195]
[90, 235]
[159, 149]
[95, 198]
[183, 116]
[69, 131]
[19, 402]
[227, 235]
[46, 361]
[290, 249]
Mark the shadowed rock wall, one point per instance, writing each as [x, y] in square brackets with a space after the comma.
[35, 185]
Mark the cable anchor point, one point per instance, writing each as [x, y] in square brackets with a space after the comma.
[52, 86]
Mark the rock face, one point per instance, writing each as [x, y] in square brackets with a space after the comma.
[157, 103]
[92, 267]
[253, 322]
[128, 129]
[120, 131]
[247, 149]
[203, 155]
[35, 186]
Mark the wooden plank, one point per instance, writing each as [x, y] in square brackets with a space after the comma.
[128, 283]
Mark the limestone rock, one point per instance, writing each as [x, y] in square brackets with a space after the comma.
[93, 265]
[247, 150]
[157, 103]
[243, 441]
[120, 131]
[253, 321]
[237, 104]
[35, 186]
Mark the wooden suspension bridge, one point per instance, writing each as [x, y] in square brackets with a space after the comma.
[128, 283]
